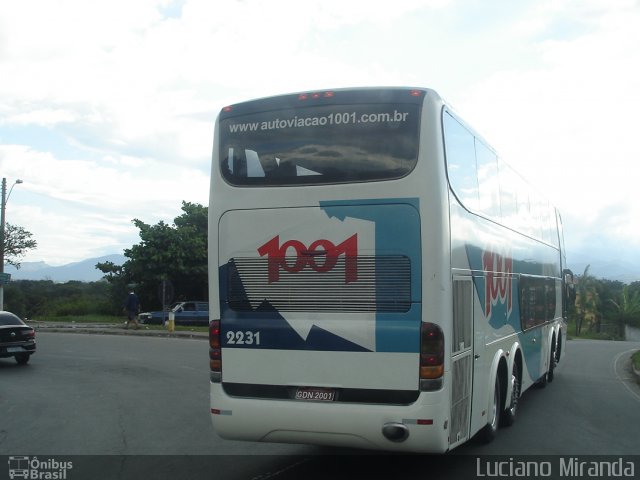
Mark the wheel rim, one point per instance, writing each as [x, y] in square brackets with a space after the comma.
[552, 365]
[515, 393]
[494, 412]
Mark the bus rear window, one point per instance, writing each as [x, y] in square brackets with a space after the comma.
[320, 144]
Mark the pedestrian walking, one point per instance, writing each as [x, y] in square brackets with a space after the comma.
[132, 308]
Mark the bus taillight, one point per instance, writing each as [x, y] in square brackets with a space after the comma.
[316, 95]
[215, 352]
[431, 357]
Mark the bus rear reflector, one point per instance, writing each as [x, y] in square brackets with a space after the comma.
[431, 356]
[424, 421]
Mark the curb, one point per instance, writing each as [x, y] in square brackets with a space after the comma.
[634, 370]
[118, 330]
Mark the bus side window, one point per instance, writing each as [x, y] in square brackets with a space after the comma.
[537, 301]
[461, 162]
[489, 187]
[508, 195]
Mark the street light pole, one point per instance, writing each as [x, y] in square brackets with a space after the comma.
[3, 232]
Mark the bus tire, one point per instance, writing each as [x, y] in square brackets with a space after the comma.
[509, 414]
[542, 381]
[559, 347]
[552, 365]
[490, 430]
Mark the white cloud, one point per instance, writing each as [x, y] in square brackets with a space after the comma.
[44, 117]
[136, 79]
[570, 123]
[64, 238]
[82, 208]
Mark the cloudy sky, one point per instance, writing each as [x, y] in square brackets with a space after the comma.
[107, 107]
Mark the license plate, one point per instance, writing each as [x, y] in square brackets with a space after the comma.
[314, 394]
[14, 349]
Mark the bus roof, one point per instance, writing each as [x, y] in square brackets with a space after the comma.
[341, 96]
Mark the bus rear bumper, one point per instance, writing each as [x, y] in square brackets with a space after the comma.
[419, 427]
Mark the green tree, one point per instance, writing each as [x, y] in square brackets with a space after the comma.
[117, 281]
[627, 308]
[176, 252]
[587, 300]
[17, 241]
[608, 291]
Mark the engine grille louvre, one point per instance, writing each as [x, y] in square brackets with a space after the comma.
[383, 285]
[460, 398]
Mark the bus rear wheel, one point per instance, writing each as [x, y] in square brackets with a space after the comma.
[553, 360]
[509, 415]
[490, 430]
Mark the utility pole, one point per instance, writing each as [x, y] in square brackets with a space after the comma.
[2, 232]
[4, 278]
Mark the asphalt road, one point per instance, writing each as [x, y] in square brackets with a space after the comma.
[138, 405]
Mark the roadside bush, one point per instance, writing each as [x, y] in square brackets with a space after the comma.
[636, 360]
[633, 322]
[79, 306]
[38, 298]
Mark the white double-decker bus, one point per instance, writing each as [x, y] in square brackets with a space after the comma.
[379, 277]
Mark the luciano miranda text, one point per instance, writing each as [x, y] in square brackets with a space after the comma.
[566, 467]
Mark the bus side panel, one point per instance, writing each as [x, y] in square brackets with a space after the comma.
[498, 259]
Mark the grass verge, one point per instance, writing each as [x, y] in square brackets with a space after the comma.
[115, 320]
[179, 328]
[90, 318]
[610, 334]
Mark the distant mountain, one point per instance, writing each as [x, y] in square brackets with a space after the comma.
[627, 270]
[83, 271]
[624, 267]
